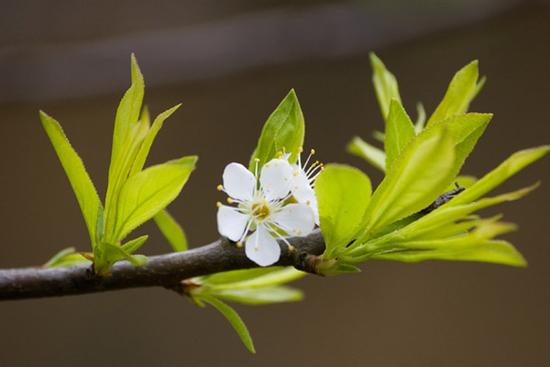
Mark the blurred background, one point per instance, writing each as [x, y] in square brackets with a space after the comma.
[230, 63]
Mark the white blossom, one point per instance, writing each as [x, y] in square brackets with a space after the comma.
[262, 209]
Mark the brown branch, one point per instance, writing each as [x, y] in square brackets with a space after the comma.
[164, 270]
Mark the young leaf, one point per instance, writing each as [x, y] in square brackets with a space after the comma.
[462, 90]
[65, 258]
[106, 254]
[253, 278]
[343, 194]
[261, 296]
[234, 319]
[515, 163]
[399, 132]
[234, 276]
[82, 185]
[492, 251]
[134, 245]
[128, 112]
[171, 230]
[283, 131]
[420, 119]
[368, 152]
[145, 146]
[146, 193]
[417, 178]
[385, 85]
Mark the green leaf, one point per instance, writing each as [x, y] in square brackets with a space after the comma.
[515, 163]
[127, 113]
[417, 178]
[462, 90]
[65, 258]
[283, 131]
[385, 85]
[106, 254]
[145, 146]
[420, 119]
[343, 194]
[261, 296]
[135, 244]
[493, 251]
[171, 230]
[368, 152]
[234, 319]
[82, 185]
[150, 191]
[399, 132]
[253, 278]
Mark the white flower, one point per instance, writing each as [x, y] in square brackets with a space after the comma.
[303, 182]
[262, 210]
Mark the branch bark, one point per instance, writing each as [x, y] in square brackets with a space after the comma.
[167, 270]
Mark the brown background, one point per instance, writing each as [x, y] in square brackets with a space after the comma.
[392, 314]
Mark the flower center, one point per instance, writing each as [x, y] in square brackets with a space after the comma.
[260, 210]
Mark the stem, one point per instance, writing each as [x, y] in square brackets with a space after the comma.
[167, 270]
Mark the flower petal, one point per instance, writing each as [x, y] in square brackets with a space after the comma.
[262, 248]
[275, 179]
[238, 182]
[300, 187]
[231, 222]
[295, 219]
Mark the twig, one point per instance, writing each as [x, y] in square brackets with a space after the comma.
[164, 270]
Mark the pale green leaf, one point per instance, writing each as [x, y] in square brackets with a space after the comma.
[82, 185]
[145, 146]
[283, 132]
[343, 194]
[261, 296]
[148, 192]
[234, 276]
[399, 132]
[385, 85]
[368, 152]
[492, 251]
[171, 230]
[135, 244]
[515, 163]
[253, 278]
[461, 91]
[417, 178]
[127, 113]
[234, 319]
[420, 118]
[65, 258]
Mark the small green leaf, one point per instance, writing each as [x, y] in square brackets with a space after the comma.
[343, 194]
[493, 251]
[283, 131]
[515, 163]
[417, 178]
[82, 185]
[135, 244]
[234, 319]
[65, 258]
[145, 146]
[106, 254]
[150, 191]
[385, 85]
[399, 132]
[261, 296]
[171, 230]
[462, 90]
[420, 119]
[368, 152]
[128, 112]
[253, 278]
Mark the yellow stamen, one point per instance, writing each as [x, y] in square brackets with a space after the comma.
[219, 187]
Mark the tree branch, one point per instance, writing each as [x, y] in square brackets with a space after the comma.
[164, 270]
